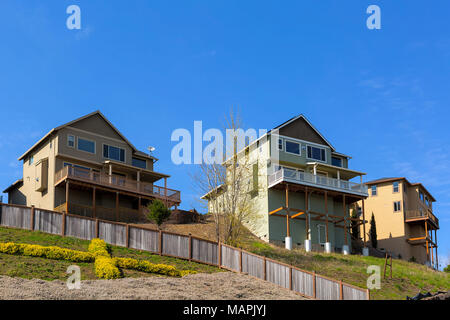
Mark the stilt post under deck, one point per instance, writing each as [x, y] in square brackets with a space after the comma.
[326, 217]
[117, 206]
[426, 240]
[94, 213]
[345, 219]
[288, 233]
[364, 221]
[435, 239]
[306, 214]
[67, 196]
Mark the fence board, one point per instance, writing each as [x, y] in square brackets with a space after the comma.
[351, 293]
[80, 228]
[253, 265]
[16, 217]
[175, 245]
[327, 289]
[46, 221]
[204, 251]
[143, 239]
[302, 282]
[230, 258]
[112, 233]
[277, 273]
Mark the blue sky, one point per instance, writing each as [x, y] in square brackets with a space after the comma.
[381, 96]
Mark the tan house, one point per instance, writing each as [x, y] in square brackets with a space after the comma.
[88, 167]
[405, 223]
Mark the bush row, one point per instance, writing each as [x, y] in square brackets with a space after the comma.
[146, 266]
[52, 252]
[105, 266]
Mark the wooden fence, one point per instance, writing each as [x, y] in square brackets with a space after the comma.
[191, 248]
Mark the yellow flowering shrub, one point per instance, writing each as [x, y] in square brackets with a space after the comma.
[51, 252]
[146, 266]
[98, 247]
[105, 268]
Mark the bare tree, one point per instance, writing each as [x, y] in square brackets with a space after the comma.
[230, 186]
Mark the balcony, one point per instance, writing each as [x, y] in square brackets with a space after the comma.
[322, 182]
[417, 215]
[117, 182]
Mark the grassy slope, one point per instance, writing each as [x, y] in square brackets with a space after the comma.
[46, 269]
[408, 278]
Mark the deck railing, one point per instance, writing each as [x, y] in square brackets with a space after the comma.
[417, 214]
[116, 181]
[290, 175]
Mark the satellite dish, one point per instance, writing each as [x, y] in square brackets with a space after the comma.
[151, 149]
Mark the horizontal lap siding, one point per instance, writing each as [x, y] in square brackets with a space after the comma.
[327, 289]
[277, 273]
[351, 293]
[204, 251]
[80, 228]
[16, 217]
[175, 245]
[253, 265]
[144, 239]
[113, 233]
[303, 282]
[230, 258]
[47, 221]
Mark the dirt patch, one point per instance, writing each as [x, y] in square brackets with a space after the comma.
[216, 286]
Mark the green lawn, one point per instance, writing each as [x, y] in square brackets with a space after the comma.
[47, 269]
[407, 278]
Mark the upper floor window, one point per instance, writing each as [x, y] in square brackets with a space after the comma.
[280, 144]
[139, 163]
[395, 186]
[30, 160]
[421, 195]
[374, 190]
[316, 153]
[113, 153]
[292, 147]
[397, 206]
[86, 145]
[71, 141]
[335, 161]
[427, 201]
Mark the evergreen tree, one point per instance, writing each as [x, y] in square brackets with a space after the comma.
[373, 232]
[158, 213]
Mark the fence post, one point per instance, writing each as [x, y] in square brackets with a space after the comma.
[290, 278]
[341, 290]
[160, 242]
[32, 218]
[219, 248]
[128, 236]
[63, 227]
[190, 247]
[265, 270]
[368, 294]
[314, 285]
[96, 228]
[240, 260]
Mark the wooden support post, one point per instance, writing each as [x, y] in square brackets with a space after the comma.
[190, 247]
[219, 253]
[288, 233]
[67, 196]
[94, 209]
[426, 241]
[32, 218]
[240, 259]
[97, 232]
[307, 214]
[117, 206]
[345, 219]
[290, 278]
[165, 192]
[314, 285]
[435, 239]
[341, 290]
[160, 242]
[326, 217]
[128, 235]
[63, 224]
[364, 221]
[368, 294]
[265, 268]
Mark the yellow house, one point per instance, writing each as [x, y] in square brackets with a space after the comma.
[405, 223]
[87, 167]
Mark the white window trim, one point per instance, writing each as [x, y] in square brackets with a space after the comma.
[371, 191]
[74, 141]
[299, 147]
[324, 161]
[398, 187]
[399, 208]
[124, 153]
[278, 144]
[95, 145]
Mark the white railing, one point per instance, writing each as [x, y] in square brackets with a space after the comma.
[294, 176]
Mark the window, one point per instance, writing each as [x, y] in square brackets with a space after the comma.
[139, 163]
[397, 206]
[280, 144]
[322, 234]
[395, 186]
[427, 201]
[86, 145]
[374, 190]
[113, 153]
[293, 147]
[421, 195]
[316, 153]
[335, 161]
[71, 141]
[30, 160]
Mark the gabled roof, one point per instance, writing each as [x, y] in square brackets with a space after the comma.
[384, 180]
[54, 130]
[301, 116]
[13, 186]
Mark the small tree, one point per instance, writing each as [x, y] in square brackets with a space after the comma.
[447, 269]
[158, 213]
[373, 232]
